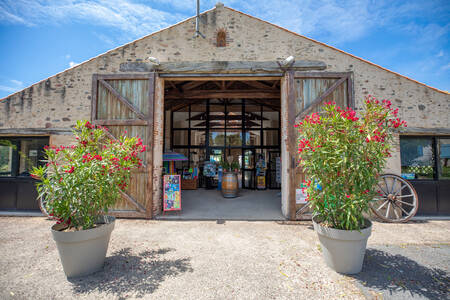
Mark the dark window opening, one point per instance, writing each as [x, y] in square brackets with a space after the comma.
[18, 155]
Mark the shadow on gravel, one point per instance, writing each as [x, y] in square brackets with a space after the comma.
[125, 274]
[399, 275]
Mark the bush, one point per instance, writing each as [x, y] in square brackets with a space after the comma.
[81, 182]
[343, 156]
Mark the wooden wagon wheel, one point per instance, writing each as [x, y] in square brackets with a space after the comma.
[43, 206]
[397, 202]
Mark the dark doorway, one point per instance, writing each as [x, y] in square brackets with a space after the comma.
[226, 120]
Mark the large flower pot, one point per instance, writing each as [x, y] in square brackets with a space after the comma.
[229, 185]
[343, 250]
[83, 252]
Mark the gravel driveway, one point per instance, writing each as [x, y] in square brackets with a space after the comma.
[208, 260]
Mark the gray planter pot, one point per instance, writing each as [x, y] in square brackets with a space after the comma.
[343, 250]
[83, 252]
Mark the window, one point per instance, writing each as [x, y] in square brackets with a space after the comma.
[444, 156]
[18, 155]
[417, 157]
[425, 157]
[221, 38]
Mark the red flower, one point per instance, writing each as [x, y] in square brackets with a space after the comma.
[71, 170]
[35, 176]
[88, 125]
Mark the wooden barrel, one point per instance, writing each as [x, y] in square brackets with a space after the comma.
[229, 185]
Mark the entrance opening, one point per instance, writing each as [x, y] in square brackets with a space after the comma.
[220, 124]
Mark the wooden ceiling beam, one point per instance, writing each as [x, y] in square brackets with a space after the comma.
[183, 104]
[257, 85]
[217, 84]
[230, 94]
[264, 103]
[192, 85]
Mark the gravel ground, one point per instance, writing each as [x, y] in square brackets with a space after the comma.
[406, 272]
[207, 260]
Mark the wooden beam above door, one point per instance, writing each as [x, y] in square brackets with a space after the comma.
[221, 66]
[230, 94]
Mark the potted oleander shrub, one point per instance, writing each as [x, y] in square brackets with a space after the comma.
[343, 155]
[80, 183]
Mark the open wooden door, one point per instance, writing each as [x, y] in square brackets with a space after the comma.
[305, 93]
[124, 102]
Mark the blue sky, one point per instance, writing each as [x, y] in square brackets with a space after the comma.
[40, 38]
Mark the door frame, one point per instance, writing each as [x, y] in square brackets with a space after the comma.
[213, 76]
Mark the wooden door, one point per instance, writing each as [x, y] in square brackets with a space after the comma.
[306, 93]
[125, 103]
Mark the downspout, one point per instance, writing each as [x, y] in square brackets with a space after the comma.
[197, 22]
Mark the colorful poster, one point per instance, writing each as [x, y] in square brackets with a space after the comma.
[172, 192]
[300, 195]
[261, 182]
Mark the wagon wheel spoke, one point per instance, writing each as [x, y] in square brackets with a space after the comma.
[401, 189]
[404, 196]
[387, 210]
[387, 180]
[393, 185]
[382, 189]
[406, 213]
[382, 205]
[395, 212]
[405, 203]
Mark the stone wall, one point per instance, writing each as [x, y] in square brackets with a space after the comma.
[62, 99]
[58, 101]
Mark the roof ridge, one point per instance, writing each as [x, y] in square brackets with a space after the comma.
[342, 51]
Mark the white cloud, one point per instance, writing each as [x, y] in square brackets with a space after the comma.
[8, 89]
[12, 86]
[8, 17]
[67, 56]
[16, 82]
[106, 39]
[72, 64]
[134, 18]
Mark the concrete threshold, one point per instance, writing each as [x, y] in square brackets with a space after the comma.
[430, 218]
[10, 213]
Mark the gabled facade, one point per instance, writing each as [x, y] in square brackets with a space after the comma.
[236, 46]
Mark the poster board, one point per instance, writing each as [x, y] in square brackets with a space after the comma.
[172, 192]
[301, 195]
[260, 182]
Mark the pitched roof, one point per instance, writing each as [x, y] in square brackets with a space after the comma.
[250, 16]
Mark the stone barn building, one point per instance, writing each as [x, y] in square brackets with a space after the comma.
[229, 93]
